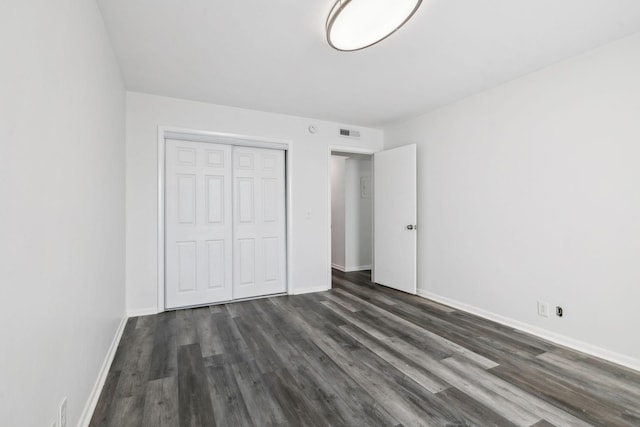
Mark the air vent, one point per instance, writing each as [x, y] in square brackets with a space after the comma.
[350, 133]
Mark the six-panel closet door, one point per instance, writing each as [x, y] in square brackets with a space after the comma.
[259, 251]
[224, 223]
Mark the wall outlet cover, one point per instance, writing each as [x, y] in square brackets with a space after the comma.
[543, 309]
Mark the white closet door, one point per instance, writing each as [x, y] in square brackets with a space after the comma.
[198, 223]
[259, 240]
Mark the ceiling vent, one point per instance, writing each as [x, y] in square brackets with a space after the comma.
[350, 133]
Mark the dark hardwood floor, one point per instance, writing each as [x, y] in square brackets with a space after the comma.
[358, 355]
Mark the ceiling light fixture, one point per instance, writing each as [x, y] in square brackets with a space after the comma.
[357, 24]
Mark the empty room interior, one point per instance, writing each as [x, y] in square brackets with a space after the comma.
[320, 213]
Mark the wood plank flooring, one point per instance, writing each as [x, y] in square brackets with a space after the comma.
[358, 355]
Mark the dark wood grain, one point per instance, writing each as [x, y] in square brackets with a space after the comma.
[358, 355]
[164, 355]
[474, 413]
[194, 399]
[229, 407]
[104, 407]
[161, 403]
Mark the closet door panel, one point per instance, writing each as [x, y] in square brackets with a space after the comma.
[198, 224]
[259, 206]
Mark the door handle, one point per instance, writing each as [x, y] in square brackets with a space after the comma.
[412, 227]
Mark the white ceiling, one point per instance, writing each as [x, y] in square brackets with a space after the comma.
[271, 55]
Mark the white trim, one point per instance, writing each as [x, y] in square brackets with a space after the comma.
[171, 132]
[351, 150]
[90, 406]
[357, 268]
[351, 269]
[143, 312]
[338, 267]
[310, 290]
[288, 161]
[161, 163]
[165, 132]
[342, 149]
[562, 340]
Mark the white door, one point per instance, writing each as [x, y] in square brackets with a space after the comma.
[198, 223]
[395, 213]
[259, 241]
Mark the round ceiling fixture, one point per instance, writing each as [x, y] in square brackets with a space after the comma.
[356, 24]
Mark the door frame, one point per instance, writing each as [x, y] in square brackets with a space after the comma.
[172, 132]
[352, 150]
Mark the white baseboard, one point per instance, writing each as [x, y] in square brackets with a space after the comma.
[562, 340]
[90, 406]
[142, 312]
[308, 290]
[338, 267]
[350, 269]
[357, 268]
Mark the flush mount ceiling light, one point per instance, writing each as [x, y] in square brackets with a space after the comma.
[356, 24]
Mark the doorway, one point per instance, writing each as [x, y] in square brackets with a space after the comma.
[351, 229]
[391, 191]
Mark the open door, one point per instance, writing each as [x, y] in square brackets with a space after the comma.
[395, 214]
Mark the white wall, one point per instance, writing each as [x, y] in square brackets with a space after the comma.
[62, 214]
[358, 216]
[530, 191]
[338, 212]
[308, 156]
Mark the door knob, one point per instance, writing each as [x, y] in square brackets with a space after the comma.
[412, 227]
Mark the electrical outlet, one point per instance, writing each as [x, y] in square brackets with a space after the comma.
[543, 309]
[62, 413]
